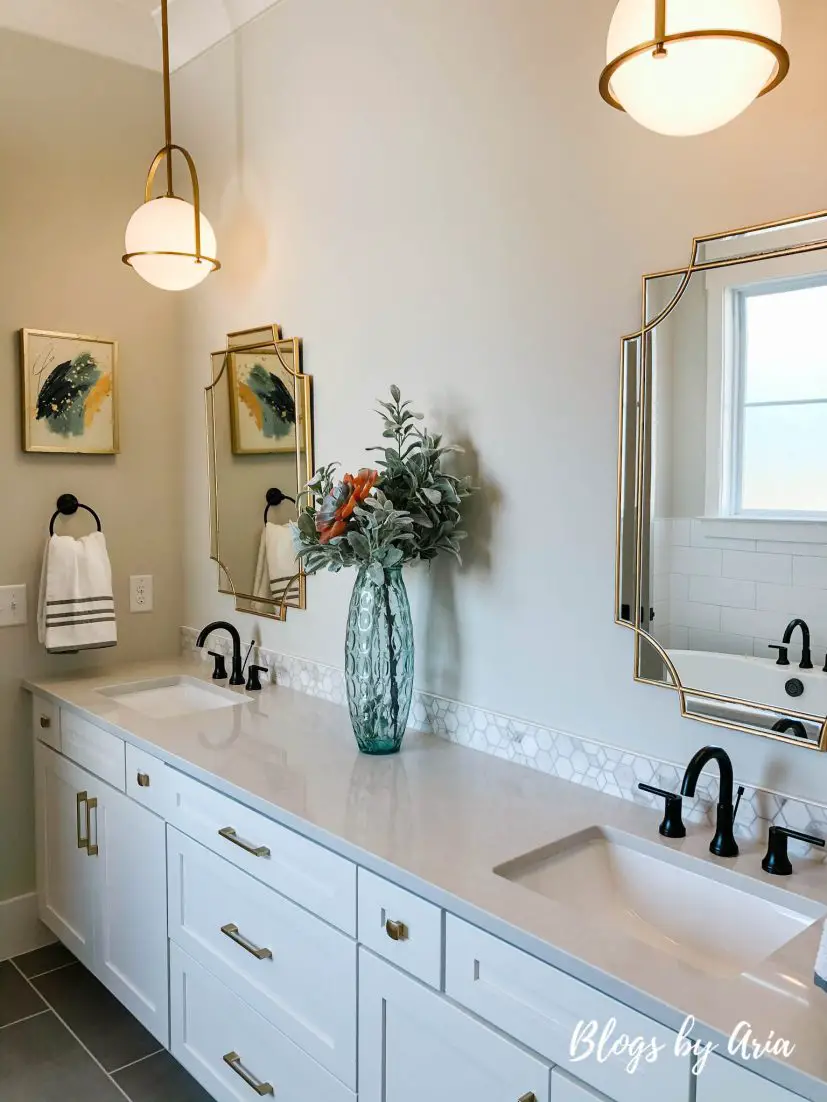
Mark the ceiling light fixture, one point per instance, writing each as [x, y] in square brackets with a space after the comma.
[705, 63]
[169, 242]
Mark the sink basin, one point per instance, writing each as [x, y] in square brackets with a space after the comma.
[719, 921]
[167, 697]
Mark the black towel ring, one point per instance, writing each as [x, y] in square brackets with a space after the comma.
[275, 497]
[67, 506]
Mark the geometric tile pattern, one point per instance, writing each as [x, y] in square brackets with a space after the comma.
[596, 765]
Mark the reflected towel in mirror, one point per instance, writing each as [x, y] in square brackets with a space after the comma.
[276, 568]
[76, 606]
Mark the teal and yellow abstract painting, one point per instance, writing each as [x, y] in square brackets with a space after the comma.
[263, 404]
[69, 393]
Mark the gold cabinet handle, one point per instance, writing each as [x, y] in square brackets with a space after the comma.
[232, 932]
[233, 1060]
[45, 721]
[91, 805]
[530, 1097]
[396, 931]
[143, 780]
[248, 847]
[83, 843]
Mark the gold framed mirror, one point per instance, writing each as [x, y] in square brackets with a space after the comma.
[721, 563]
[259, 409]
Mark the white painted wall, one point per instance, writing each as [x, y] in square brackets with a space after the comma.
[434, 194]
[76, 134]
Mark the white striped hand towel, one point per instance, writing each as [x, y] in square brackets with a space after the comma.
[76, 608]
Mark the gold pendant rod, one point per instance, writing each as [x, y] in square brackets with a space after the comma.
[167, 94]
[660, 29]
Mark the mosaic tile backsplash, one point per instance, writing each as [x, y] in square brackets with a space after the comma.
[569, 757]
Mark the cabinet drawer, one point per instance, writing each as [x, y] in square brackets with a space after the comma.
[147, 781]
[46, 721]
[724, 1081]
[311, 875]
[542, 1007]
[566, 1089]
[401, 927]
[97, 750]
[292, 968]
[214, 1032]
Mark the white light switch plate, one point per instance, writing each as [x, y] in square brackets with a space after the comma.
[13, 605]
[140, 593]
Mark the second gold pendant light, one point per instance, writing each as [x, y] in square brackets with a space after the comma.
[684, 67]
[169, 242]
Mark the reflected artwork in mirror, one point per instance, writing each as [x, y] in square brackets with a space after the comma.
[260, 449]
[722, 499]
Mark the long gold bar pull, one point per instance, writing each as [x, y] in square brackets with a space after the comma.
[233, 933]
[91, 805]
[232, 836]
[233, 1060]
[82, 842]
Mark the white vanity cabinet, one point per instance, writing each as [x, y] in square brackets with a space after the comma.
[724, 1081]
[101, 875]
[414, 1045]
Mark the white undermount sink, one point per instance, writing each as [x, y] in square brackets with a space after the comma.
[167, 697]
[720, 922]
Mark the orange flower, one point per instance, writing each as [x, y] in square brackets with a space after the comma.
[337, 508]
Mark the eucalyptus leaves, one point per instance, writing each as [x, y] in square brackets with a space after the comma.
[408, 510]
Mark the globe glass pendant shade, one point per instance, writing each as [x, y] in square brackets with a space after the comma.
[167, 226]
[702, 83]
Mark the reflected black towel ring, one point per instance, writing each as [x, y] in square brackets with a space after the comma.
[275, 497]
[67, 506]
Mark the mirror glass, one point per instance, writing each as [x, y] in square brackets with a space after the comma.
[259, 427]
[729, 498]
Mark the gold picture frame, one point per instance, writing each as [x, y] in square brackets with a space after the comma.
[261, 405]
[69, 404]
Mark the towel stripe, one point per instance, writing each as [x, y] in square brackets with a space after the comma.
[52, 622]
[82, 600]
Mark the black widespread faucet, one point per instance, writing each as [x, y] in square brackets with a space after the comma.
[237, 677]
[806, 654]
[723, 844]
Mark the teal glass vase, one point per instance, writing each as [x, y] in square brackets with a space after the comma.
[379, 661]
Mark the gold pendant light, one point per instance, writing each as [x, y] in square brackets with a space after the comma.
[169, 242]
[694, 65]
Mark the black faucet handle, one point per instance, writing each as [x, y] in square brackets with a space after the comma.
[253, 679]
[220, 671]
[783, 653]
[672, 825]
[777, 862]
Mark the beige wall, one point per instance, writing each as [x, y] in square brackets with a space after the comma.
[434, 194]
[76, 135]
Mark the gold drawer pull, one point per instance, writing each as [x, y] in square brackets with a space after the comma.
[233, 1060]
[83, 843]
[396, 931]
[232, 836]
[45, 722]
[143, 780]
[232, 932]
[91, 805]
[530, 1097]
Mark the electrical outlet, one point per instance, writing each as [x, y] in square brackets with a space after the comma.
[140, 593]
[13, 606]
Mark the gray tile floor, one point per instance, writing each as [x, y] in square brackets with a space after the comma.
[64, 1038]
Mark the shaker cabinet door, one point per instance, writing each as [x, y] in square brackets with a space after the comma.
[725, 1081]
[65, 867]
[414, 1045]
[131, 950]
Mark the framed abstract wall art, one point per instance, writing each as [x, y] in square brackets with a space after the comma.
[69, 393]
[263, 400]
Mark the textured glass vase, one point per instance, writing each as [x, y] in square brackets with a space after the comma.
[379, 661]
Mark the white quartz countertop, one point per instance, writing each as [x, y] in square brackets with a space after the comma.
[439, 818]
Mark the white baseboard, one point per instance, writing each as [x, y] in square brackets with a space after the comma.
[20, 928]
